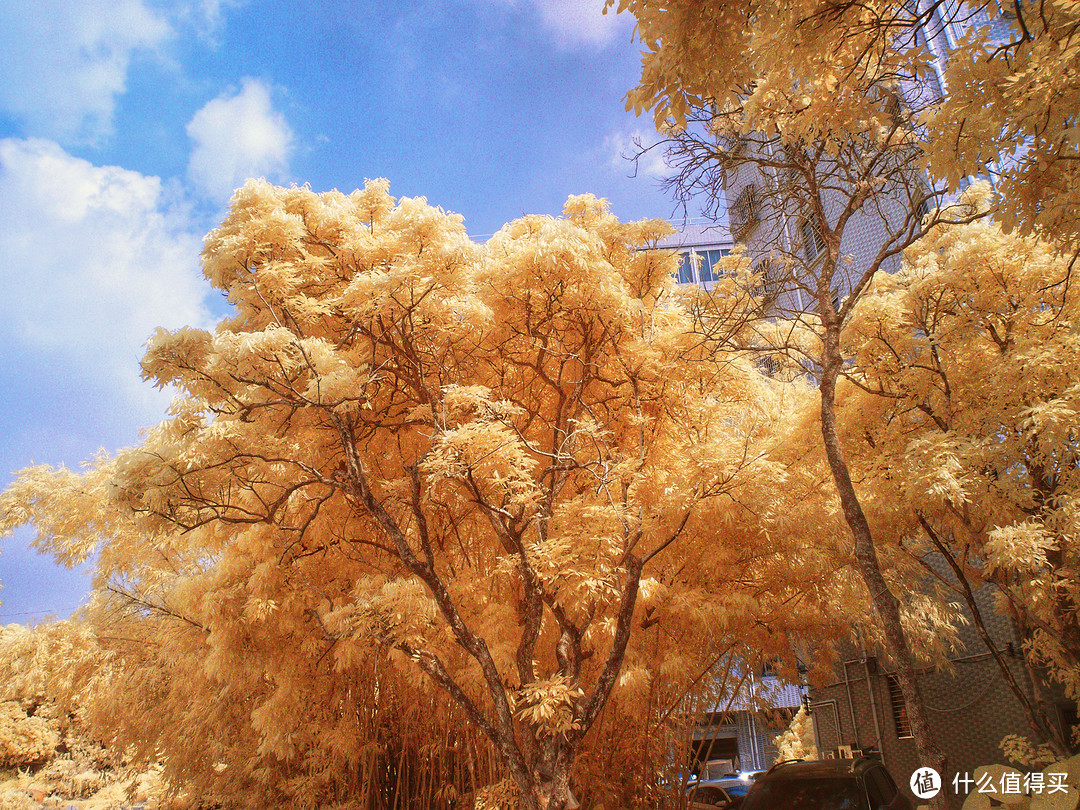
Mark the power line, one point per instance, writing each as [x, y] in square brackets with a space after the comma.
[52, 612]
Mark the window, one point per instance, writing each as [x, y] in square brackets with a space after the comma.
[813, 241]
[718, 768]
[686, 269]
[769, 285]
[705, 272]
[885, 783]
[710, 269]
[729, 148]
[707, 262]
[817, 793]
[708, 796]
[893, 106]
[899, 708]
[744, 213]
[768, 365]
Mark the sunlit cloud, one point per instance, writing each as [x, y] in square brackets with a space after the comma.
[582, 22]
[579, 23]
[66, 63]
[95, 258]
[237, 136]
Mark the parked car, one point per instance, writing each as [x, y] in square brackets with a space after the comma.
[833, 784]
[734, 784]
[739, 784]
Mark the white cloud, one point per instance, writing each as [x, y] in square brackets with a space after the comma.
[66, 62]
[237, 137]
[582, 22]
[94, 259]
[577, 23]
[207, 15]
[621, 148]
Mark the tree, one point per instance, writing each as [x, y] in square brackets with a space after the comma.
[1008, 110]
[413, 478]
[963, 380]
[797, 740]
[820, 131]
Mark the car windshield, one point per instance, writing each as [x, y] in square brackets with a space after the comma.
[805, 794]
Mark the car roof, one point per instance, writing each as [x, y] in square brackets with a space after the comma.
[820, 769]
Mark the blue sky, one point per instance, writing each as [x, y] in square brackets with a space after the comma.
[126, 124]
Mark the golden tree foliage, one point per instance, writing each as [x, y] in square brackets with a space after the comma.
[1011, 111]
[797, 740]
[49, 744]
[24, 740]
[963, 419]
[782, 68]
[806, 96]
[828, 95]
[412, 500]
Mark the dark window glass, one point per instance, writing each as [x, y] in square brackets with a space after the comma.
[686, 270]
[709, 796]
[705, 272]
[712, 258]
[805, 794]
[876, 792]
[715, 256]
[888, 786]
[813, 241]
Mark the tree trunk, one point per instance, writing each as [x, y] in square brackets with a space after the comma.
[885, 603]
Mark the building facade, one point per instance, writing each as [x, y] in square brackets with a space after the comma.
[970, 707]
[781, 200]
[738, 733]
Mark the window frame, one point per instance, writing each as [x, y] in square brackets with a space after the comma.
[810, 227]
[901, 721]
[745, 213]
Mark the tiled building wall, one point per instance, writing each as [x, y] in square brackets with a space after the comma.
[970, 711]
[756, 742]
[777, 232]
[969, 705]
